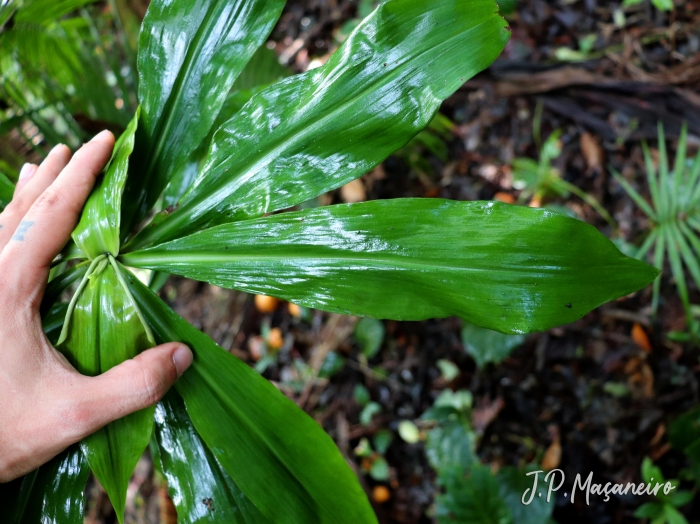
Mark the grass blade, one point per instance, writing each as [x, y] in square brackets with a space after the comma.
[647, 244]
[659, 263]
[638, 199]
[679, 170]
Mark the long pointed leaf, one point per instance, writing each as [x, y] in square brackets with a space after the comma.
[509, 268]
[105, 330]
[674, 249]
[679, 170]
[190, 54]
[634, 195]
[278, 456]
[315, 132]
[198, 485]
[51, 494]
[97, 232]
[659, 250]
[665, 209]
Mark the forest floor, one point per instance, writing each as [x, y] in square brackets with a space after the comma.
[596, 395]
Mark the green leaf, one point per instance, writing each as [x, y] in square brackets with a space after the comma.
[649, 510]
[97, 232]
[262, 69]
[41, 11]
[198, 485]
[315, 132]
[190, 54]
[369, 411]
[51, 494]
[473, 499]
[509, 268]
[685, 430]
[513, 483]
[104, 331]
[451, 444]
[379, 470]
[663, 5]
[369, 334]
[279, 457]
[673, 516]
[486, 345]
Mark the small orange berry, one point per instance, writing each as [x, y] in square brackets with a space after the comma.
[381, 494]
[641, 338]
[275, 339]
[294, 310]
[265, 304]
[504, 197]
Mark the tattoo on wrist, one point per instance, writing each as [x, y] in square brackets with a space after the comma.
[22, 229]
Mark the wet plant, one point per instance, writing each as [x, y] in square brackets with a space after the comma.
[673, 214]
[203, 184]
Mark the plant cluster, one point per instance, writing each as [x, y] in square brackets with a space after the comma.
[673, 214]
[201, 184]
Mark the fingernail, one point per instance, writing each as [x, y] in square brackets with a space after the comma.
[55, 149]
[27, 171]
[182, 358]
[104, 135]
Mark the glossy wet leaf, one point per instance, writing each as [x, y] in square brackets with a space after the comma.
[509, 268]
[51, 494]
[278, 456]
[315, 132]
[486, 346]
[97, 232]
[104, 331]
[200, 488]
[190, 54]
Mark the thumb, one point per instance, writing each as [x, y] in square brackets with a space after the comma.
[133, 385]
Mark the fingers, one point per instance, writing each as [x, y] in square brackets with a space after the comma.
[46, 227]
[130, 387]
[33, 181]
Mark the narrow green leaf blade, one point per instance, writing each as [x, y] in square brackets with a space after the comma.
[315, 132]
[97, 232]
[105, 330]
[278, 456]
[509, 268]
[198, 485]
[41, 11]
[190, 54]
[51, 494]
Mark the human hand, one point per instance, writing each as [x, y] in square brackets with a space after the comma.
[45, 404]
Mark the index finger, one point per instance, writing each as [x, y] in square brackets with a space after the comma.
[45, 229]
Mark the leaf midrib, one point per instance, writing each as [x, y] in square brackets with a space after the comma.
[385, 259]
